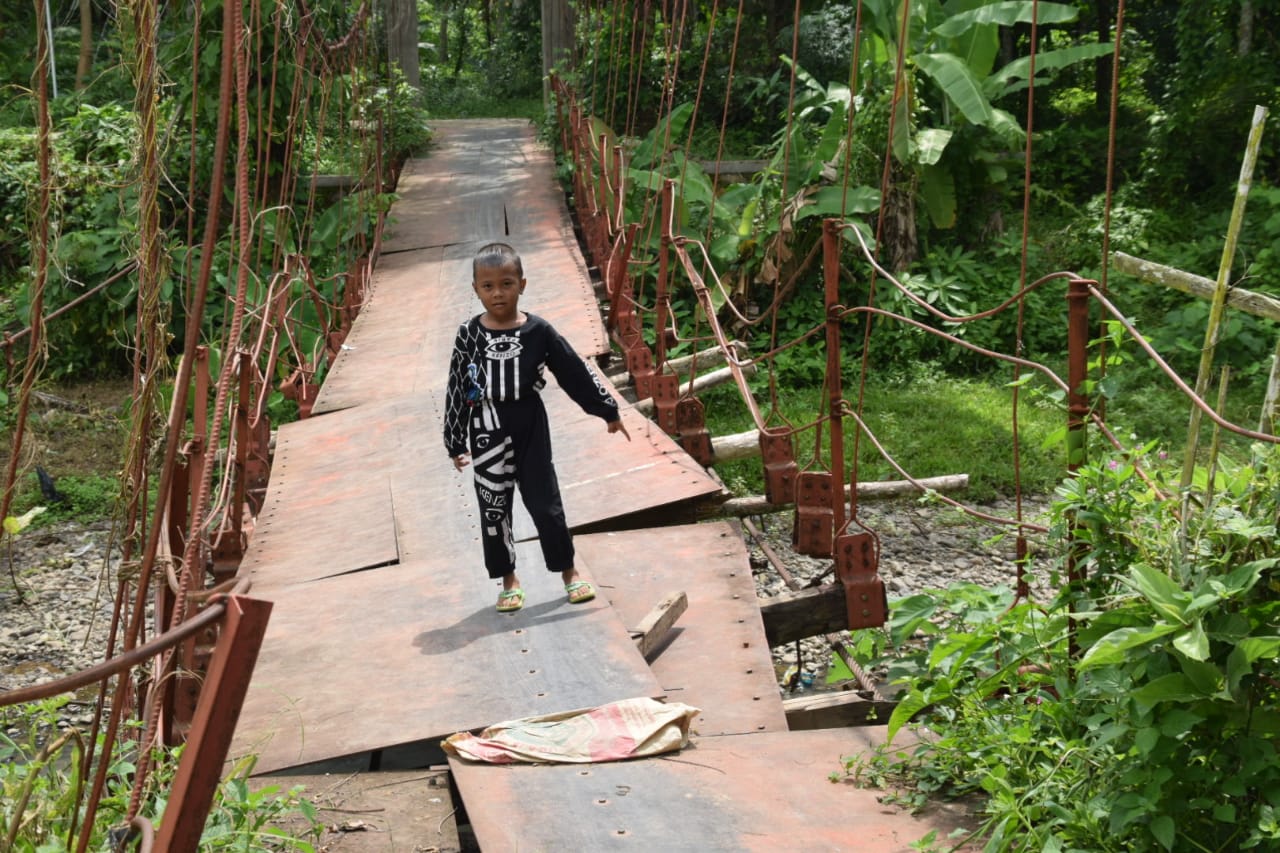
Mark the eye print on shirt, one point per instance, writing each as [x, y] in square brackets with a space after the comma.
[503, 347]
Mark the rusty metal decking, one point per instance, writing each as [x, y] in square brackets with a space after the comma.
[761, 792]
[400, 342]
[717, 659]
[376, 659]
[384, 631]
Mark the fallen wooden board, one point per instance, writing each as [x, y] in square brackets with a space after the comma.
[791, 616]
[834, 710]
[654, 627]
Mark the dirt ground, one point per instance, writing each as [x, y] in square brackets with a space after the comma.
[73, 429]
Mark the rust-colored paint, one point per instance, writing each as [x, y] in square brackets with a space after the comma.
[762, 792]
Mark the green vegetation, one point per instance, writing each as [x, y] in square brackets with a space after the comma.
[40, 782]
[1159, 732]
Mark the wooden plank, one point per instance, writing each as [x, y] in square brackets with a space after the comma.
[761, 792]
[834, 710]
[792, 616]
[657, 624]
[1258, 304]
[873, 491]
[717, 658]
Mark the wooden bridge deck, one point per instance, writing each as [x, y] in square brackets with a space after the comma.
[383, 633]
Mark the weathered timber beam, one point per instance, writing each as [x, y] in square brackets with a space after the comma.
[658, 622]
[1258, 304]
[874, 491]
[740, 445]
[732, 167]
[834, 711]
[682, 365]
[805, 613]
[700, 383]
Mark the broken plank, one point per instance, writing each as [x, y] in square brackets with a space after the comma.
[794, 616]
[656, 625]
[835, 710]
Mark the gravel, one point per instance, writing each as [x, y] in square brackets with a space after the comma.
[56, 620]
[922, 547]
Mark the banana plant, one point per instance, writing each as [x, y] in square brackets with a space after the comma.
[951, 50]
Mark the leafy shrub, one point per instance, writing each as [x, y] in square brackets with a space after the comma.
[39, 781]
[1160, 733]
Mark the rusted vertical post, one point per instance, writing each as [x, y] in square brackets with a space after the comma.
[1077, 420]
[619, 292]
[835, 388]
[616, 179]
[602, 205]
[216, 715]
[662, 299]
[235, 549]
[198, 454]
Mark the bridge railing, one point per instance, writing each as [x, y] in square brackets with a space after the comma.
[642, 328]
[240, 622]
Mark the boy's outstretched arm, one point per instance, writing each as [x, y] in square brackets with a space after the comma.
[619, 426]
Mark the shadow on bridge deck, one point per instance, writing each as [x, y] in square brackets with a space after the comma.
[383, 635]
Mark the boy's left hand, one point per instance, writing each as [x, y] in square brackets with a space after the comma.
[619, 426]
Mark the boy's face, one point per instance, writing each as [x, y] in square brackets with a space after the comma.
[499, 287]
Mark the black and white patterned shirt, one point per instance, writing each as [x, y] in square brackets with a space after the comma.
[507, 365]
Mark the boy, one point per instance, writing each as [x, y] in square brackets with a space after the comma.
[495, 417]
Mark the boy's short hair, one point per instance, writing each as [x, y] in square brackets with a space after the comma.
[497, 255]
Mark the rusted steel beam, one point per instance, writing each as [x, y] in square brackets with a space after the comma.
[200, 769]
[858, 567]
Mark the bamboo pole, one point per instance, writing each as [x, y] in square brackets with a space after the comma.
[1271, 401]
[1220, 291]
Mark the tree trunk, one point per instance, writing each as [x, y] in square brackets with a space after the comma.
[85, 64]
[442, 43]
[557, 39]
[901, 241]
[1102, 65]
[1244, 35]
[460, 50]
[486, 19]
[402, 39]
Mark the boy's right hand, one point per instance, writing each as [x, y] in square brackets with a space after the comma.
[462, 460]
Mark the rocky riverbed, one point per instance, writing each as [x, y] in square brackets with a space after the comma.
[923, 546]
[56, 597]
[56, 619]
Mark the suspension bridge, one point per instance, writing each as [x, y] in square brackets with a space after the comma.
[383, 638]
[324, 607]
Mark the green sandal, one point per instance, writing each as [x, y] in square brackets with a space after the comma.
[579, 592]
[510, 600]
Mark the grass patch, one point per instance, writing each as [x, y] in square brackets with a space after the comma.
[932, 426]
